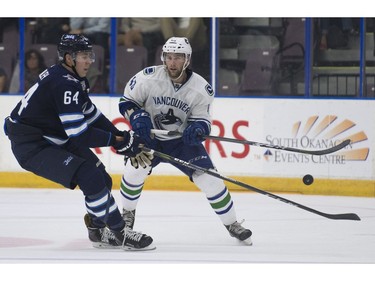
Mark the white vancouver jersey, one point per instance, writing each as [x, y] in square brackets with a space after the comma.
[171, 107]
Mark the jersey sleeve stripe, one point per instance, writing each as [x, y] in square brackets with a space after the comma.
[69, 118]
[92, 119]
[90, 110]
[126, 100]
[56, 140]
[75, 131]
[200, 120]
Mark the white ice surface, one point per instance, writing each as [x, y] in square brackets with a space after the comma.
[45, 227]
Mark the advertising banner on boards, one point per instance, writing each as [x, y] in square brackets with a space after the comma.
[304, 124]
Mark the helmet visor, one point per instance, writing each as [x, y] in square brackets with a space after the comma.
[85, 56]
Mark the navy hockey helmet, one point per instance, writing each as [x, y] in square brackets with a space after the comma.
[72, 44]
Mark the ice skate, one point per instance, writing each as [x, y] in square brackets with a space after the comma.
[129, 218]
[125, 239]
[238, 231]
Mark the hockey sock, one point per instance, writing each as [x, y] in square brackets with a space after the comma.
[103, 207]
[131, 186]
[218, 197]
[130, 193]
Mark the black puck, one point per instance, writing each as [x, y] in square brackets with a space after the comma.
[308, 179]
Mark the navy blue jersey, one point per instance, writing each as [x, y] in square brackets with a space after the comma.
[59, 104]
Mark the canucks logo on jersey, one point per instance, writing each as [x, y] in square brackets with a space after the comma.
[167, 121]
[209, 90]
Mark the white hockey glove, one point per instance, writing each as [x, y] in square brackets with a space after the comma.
[142, 159]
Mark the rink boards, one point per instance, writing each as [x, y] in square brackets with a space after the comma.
[313, 124]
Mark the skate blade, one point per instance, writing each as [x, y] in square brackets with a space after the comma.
[125, 248]
[99, 245]
[247, 242]
[131, 249]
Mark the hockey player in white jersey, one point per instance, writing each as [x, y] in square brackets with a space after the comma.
[172, 97]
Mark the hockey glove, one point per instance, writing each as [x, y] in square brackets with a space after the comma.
[193, 134]
[140, 121]
[130, 145]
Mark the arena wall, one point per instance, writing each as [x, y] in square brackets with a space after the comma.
[312, 124]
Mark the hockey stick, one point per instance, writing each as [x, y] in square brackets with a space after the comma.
[348, 216]
[312, 152]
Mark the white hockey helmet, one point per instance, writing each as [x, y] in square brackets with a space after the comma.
[179, 45]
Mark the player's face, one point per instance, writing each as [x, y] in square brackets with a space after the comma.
[83, 62]
[175, 64]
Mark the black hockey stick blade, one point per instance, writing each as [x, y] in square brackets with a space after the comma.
[348, 216]
[279, 147]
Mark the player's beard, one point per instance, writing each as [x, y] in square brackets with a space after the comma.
[175, 74]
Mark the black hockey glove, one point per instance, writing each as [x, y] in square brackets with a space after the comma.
[130, 146]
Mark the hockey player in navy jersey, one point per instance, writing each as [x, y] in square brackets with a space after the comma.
[52, 130]
[173, 97]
